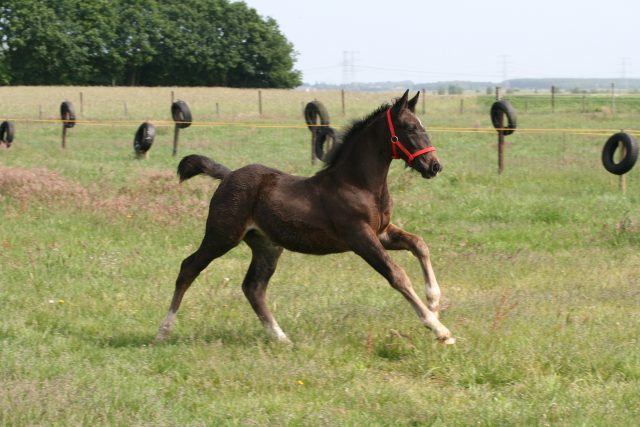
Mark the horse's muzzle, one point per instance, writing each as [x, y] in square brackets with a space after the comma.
[435, 168]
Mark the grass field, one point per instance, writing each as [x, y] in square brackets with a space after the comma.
[539, 266]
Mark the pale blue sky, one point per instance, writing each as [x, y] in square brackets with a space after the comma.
[427, 41]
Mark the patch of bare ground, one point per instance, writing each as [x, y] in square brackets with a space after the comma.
[156, 194]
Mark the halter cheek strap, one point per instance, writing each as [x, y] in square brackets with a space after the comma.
[396, 144]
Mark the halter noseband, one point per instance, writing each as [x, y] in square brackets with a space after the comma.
[395, 142]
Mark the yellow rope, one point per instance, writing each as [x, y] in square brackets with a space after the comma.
[435, 129]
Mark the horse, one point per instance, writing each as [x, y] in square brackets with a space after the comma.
[346, 206]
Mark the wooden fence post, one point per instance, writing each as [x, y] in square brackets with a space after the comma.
[81, 104]
[260, 102]
[176, 133]
[553, 99]
[424, 98]
[500, 136]
[623, 177]
[343, 106]
[64, 136]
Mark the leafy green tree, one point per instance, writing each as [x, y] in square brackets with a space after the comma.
[149, 42]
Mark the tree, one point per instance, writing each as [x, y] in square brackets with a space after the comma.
[148, 42]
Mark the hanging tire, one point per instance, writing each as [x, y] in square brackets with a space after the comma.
[181, 114]
[144, 138]
[313, 112]
[326, 140]
[7, 132]
[68, 114]
[631, 153]
[497, 110]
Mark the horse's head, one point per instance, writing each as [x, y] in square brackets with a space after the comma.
[409, 139]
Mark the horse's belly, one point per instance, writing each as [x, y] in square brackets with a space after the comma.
[304, 239]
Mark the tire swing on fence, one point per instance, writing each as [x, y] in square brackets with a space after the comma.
[182, 117]
[143, 140]
[500, 108]
[313, 112]
[326, 140]
[7, 133]
[323, 137]
[68, 116]
[629, 152]
[181, 114]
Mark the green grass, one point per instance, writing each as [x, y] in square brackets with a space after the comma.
[539, 265]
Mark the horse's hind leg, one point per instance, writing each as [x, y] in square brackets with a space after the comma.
[264, 259]
[189, 270]
[395, 238]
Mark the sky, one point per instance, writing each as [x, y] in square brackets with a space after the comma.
[342, 41]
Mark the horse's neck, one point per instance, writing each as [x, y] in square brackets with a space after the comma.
[366, 163]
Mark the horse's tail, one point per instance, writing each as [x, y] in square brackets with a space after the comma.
[195, 164]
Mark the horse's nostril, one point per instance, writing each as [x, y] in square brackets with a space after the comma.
[436, 167]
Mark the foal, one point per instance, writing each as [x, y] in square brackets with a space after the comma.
[344, 207]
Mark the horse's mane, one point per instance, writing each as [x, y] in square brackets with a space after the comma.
[348, 136]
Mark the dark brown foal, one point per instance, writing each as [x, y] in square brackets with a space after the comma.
[344, 207]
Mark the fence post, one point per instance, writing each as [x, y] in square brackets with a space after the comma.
[64, 136]
[217, 110]
[172, 97]
[553, 99]
[81, 104]
[260, 102]
[500, 136]
[176, 133]
[584, 104]
[313, 146]
[343, 107]
[623, 154]
[461, 105]
[424, 98]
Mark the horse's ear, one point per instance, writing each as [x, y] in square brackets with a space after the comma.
[413, 101]
[401, 103]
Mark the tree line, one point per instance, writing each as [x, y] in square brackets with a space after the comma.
[142, 42]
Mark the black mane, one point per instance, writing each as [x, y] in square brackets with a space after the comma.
[348, 134]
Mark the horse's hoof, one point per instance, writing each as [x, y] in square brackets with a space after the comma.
[284, 340]
[447, 340]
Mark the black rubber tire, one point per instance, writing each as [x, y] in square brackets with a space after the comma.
[497, 110]
[631, 147]
[144, 137]
[68, 113]
[326, 140]
[181, 114]
[7, 132]
[313, 111]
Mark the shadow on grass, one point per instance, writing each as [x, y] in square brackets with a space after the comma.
[224, 336]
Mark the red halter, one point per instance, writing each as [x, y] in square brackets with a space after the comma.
[395, 142]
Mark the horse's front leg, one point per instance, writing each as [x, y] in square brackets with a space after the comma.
[365, 243]
[395, 238]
